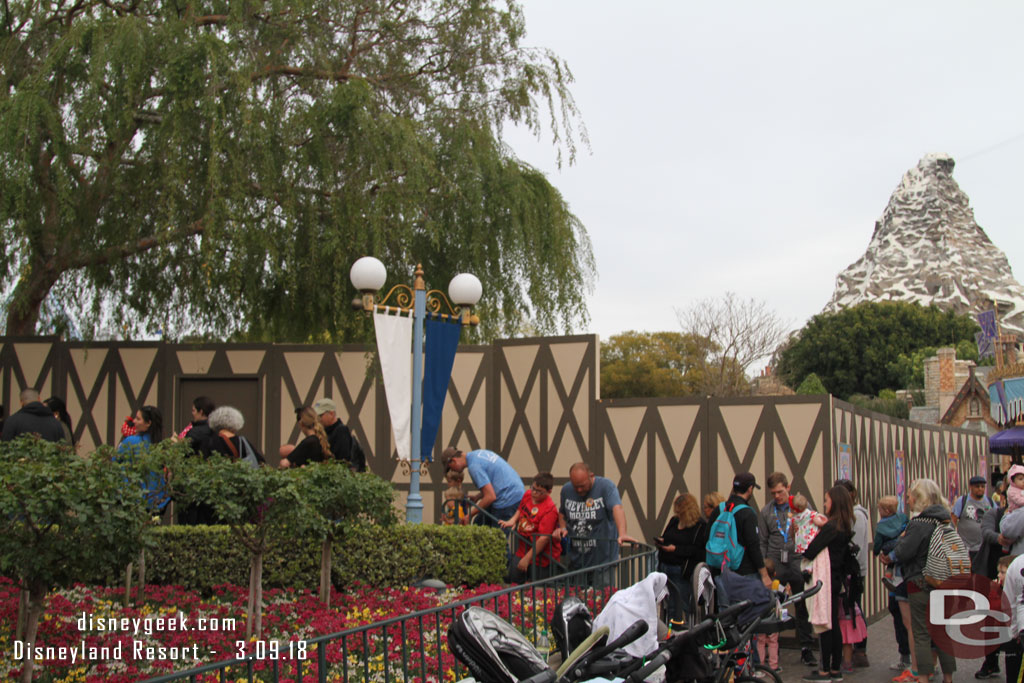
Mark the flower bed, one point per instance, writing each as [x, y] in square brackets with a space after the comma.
[87, 622]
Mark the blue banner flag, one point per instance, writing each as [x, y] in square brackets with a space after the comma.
[439, 358]
[985, 346]
[987, 320]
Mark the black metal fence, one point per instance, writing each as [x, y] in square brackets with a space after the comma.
[413, 647]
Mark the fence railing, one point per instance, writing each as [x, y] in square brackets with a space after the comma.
[413, 647]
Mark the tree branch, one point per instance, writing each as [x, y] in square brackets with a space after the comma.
[125, 250]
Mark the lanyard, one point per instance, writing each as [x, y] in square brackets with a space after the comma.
[783, 532]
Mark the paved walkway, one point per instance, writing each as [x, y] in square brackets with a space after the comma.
[881, 653]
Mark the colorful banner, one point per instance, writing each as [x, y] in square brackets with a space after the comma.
[987, 321]
[394, 347]
[845, 462]
[953, 477]
[901, 478]
[986, 345]
[439, 358]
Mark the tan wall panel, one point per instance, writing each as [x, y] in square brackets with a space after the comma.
[568, 359]
[781, 464]
[724, 468]
[87, 365]
[137, 363]
[196, 362]
[741, 421]
[302, 366]
[798, 420]
[520, 456]
[31, 358]
[694, 470]
[246, 362]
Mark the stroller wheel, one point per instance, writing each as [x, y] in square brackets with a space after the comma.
[759, 673]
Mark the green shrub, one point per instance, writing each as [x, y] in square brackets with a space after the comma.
[811, 385]
[200, 557]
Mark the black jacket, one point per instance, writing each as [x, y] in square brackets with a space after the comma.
[33, 418]
[841, 560]
[746, 534]
[691, 545]
[199, 435]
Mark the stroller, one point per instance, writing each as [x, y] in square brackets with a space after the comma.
[495, 652]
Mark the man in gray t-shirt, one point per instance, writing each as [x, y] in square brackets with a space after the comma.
[968, 511]
[591, 513]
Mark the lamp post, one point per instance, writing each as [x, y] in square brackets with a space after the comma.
[368, 276]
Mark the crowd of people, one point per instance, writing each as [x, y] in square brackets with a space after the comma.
[213, 431]
[749, 550]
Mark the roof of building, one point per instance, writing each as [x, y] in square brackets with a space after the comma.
[972, 388]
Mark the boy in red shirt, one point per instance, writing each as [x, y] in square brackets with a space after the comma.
[535, 520]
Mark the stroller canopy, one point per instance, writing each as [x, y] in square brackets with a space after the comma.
[639, 601]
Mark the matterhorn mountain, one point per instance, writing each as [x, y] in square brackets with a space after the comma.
[928, 248]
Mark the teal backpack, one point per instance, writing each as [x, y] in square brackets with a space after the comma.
[723, 546]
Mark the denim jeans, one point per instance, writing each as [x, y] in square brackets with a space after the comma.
[679, 601]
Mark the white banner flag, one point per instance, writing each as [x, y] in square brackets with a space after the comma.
[394, 344]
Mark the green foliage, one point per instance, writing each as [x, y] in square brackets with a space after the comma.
[256, 502]
[200, 557]
[811, 385]
[332, 494]
[871, 346]
[63, 517]
[219, 167]
[893, 406]
[651, 364]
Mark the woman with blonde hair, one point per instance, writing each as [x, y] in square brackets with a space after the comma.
[680, 548]
[315, 447]
[711, 501]
[926, 499]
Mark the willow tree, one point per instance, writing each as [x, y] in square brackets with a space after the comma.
[217, 166]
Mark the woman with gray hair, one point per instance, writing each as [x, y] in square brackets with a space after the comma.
[926, 499]
[226, 422]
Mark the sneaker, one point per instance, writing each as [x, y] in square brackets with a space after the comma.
[901, 664]
[846, 668]
[908, 676]
[817, 677]
[836, 677]
[860, 659]
[777, 670]
[807, 657]
[985, 672]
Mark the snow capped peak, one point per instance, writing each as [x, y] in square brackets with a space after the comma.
[928, 248]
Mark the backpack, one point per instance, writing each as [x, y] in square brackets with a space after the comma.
[723, 546]
[947, 556]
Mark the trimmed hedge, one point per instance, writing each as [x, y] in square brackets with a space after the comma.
[200, 557]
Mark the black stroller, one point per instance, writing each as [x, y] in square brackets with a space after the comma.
[495, 652]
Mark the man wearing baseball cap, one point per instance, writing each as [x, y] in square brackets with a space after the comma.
[343, 445]
[968, 511]
[752, 566]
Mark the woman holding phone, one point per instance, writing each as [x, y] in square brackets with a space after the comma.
[680, 548]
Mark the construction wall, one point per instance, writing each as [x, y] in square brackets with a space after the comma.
[535, 401]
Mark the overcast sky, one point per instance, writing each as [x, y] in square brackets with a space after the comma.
[751, 146]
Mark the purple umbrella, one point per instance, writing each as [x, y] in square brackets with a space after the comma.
[1008, 442]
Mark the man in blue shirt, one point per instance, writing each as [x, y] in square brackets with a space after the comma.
[501, 488]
